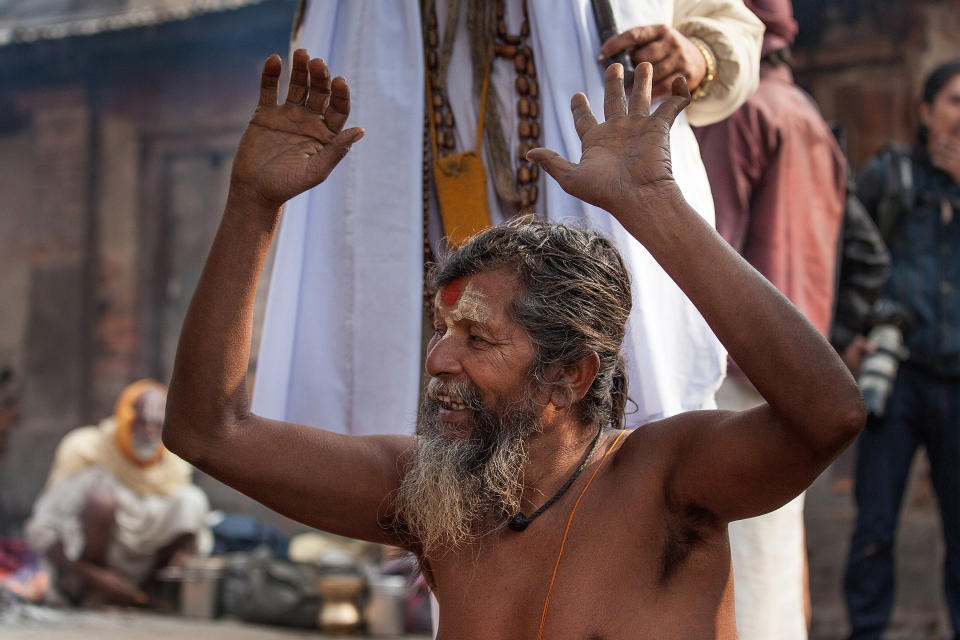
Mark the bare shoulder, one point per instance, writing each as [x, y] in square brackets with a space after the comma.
[660, 443]
[652, 455]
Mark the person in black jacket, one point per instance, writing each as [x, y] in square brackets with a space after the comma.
[914, 195]
[863, 265]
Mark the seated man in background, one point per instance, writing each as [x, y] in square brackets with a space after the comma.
[521, 426]
[117, 506]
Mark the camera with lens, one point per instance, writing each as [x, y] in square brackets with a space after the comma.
[887, 351]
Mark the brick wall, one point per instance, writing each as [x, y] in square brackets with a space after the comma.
[113, 175]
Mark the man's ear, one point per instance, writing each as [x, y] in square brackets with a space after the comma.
[572, 382]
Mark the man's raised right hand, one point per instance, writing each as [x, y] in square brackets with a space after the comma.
[291, 147]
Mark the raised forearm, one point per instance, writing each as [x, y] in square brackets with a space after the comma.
[208, 388]
[286, 149]
[792, 366]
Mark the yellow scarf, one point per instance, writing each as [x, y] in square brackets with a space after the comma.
[109, 445]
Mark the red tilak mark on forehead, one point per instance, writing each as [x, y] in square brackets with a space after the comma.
[451, 292]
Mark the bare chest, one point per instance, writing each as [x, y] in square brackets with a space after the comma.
[604, 581]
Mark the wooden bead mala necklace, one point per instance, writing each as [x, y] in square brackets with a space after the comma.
[514, 177]
[528, 102]
[437, 59]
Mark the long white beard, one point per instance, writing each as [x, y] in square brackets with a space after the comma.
[458, 489]
[145, 448]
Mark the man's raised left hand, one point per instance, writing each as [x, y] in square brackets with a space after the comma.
[627, 157]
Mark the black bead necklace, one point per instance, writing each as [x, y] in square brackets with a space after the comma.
[519, 522]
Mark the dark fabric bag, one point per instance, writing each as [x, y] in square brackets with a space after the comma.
[263, 589]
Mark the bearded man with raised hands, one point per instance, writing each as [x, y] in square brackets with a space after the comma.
[531, 511]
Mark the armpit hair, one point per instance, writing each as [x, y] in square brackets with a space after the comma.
[686, 529]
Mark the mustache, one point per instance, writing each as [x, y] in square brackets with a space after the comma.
[456, 392]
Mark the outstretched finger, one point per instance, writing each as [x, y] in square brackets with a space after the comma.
[671, 107]
[614, 99]
[297, 93]
[583, 118]
[333, 152]
[641, 95]
[269, 80]
[319, 96]
[553, 163]
[339, 108]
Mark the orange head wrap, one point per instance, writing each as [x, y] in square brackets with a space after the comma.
[125, 414]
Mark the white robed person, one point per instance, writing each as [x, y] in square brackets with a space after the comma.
[339, 365]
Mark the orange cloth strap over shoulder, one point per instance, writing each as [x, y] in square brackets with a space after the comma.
[563, 541]
[460, 179]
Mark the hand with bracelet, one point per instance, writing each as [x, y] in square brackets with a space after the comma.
[672, 55]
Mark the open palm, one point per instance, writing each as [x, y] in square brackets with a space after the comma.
[626, 155]
[291, 147]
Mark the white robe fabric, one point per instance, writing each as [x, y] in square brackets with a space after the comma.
[341, 340]
[144, 523]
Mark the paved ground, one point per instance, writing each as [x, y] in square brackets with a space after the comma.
[919, 613]
[137, 626]
[120, 625]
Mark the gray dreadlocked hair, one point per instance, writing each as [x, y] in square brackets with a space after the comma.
[574, 299]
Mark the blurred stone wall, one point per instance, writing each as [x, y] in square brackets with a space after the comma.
[115, 152]
[864, 62]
